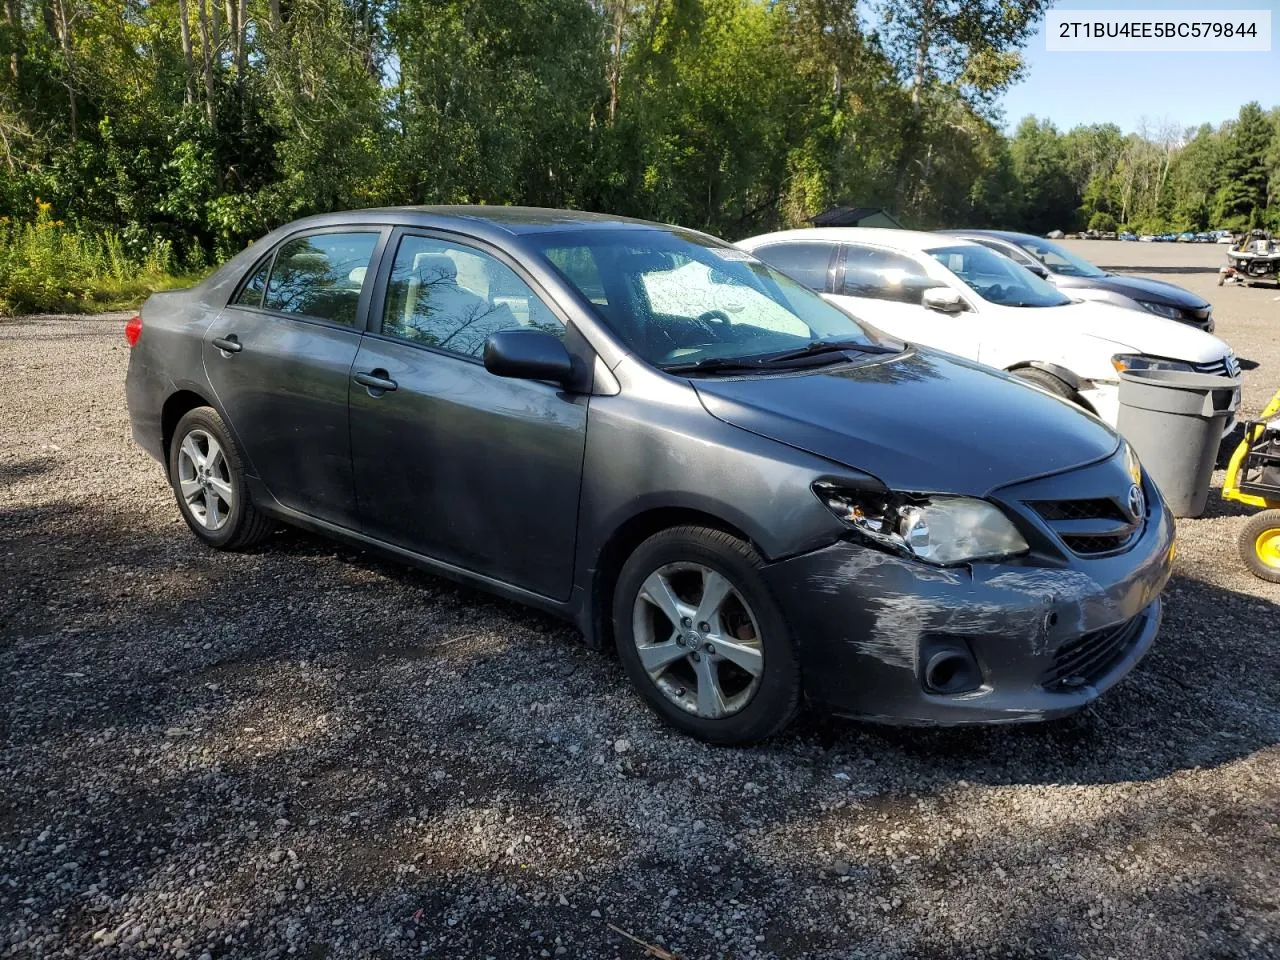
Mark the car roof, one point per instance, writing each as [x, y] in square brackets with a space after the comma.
[915, 240]
[480, 219]
[1012, 236]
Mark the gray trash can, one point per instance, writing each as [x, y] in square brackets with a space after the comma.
[1175, 422]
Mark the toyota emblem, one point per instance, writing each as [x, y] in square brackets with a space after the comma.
[1137, 503]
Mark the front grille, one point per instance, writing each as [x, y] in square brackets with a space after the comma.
[1088, 658]
[1078, 509]
[1088, 527]
[1228, 366]
[1092, 546]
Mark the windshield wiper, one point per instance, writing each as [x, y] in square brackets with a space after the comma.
[816, 347]
[710, 364]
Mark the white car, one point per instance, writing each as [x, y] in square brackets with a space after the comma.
[958, 296]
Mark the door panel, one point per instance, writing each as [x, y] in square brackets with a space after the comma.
[285, 394]
[279, 360]
[476, 470]
[479, 471]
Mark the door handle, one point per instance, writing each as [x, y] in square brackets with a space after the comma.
[378, 382]
[228, 344]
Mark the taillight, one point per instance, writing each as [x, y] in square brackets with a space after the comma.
[133, 330]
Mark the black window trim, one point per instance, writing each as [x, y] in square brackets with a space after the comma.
[361, 325]
[382, 281]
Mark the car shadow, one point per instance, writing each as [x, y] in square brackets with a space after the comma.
[345, 731]
[14, 470]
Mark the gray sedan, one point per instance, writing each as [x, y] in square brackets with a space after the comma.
[651, 433]
[1080, 279]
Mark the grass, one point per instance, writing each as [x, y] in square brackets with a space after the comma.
[48, 267]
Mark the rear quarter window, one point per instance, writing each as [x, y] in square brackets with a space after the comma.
[253, 289]
[806, 262]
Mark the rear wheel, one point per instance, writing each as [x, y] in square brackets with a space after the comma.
[1260, 545]
[702, 639]
[207, 476]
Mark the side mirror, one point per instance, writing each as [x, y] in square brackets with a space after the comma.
[528, 355]
[943, 300]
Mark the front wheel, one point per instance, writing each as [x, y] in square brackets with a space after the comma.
[207, 476]
[1048, 382]
[1259, 545]
[703, 640]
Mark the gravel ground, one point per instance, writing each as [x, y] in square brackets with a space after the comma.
[304, 750]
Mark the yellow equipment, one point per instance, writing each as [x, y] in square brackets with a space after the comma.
[1253, 477]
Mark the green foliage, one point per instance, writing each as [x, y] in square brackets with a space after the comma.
[1103, 222]
[46, 267]
[734, 116]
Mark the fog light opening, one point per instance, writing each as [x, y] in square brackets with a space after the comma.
[951, 671]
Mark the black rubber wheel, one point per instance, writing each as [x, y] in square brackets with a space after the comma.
[702, 638]
[1047, 381]
[207, 476]
[1259, 545]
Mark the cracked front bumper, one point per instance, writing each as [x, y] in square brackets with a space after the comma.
[864, 622]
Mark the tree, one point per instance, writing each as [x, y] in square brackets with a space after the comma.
[1048, 197]
[1245, 175]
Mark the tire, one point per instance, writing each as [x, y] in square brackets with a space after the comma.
[1259, 545]
[212, 493]
[1046, 381]
[711, 694]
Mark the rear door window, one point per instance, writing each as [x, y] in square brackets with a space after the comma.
[806, 262]
[883, 275]
[321, 276]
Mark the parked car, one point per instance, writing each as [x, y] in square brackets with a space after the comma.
[1225, 236]
[1109, 235]
[1128, 237]
[1186, 237]
[755, 497]
[1147, 238]
[963, 297]
[1056, 234]
[1083, 281]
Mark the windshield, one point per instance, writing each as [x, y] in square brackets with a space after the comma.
[676, 298]
[996, 278]
[1060, 259]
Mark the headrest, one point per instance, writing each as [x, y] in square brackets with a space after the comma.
[435, 267]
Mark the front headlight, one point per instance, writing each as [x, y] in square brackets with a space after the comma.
[1132, 464]
[939, 530]
[1137, 361]
[1161, 310]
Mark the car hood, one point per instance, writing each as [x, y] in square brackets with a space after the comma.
[922, 422]
[1140, 288]
[1137, 330]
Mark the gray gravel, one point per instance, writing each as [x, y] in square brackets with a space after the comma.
[304, 750]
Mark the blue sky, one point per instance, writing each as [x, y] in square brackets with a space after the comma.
[1122, 88]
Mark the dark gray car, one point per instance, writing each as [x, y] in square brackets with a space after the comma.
[1082, 280]
[649, 432]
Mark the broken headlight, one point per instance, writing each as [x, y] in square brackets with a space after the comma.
[940, 530]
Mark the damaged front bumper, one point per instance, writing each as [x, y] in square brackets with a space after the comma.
[1046, 640]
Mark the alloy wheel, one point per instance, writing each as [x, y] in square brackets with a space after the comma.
[698, 639]
[204, 477]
